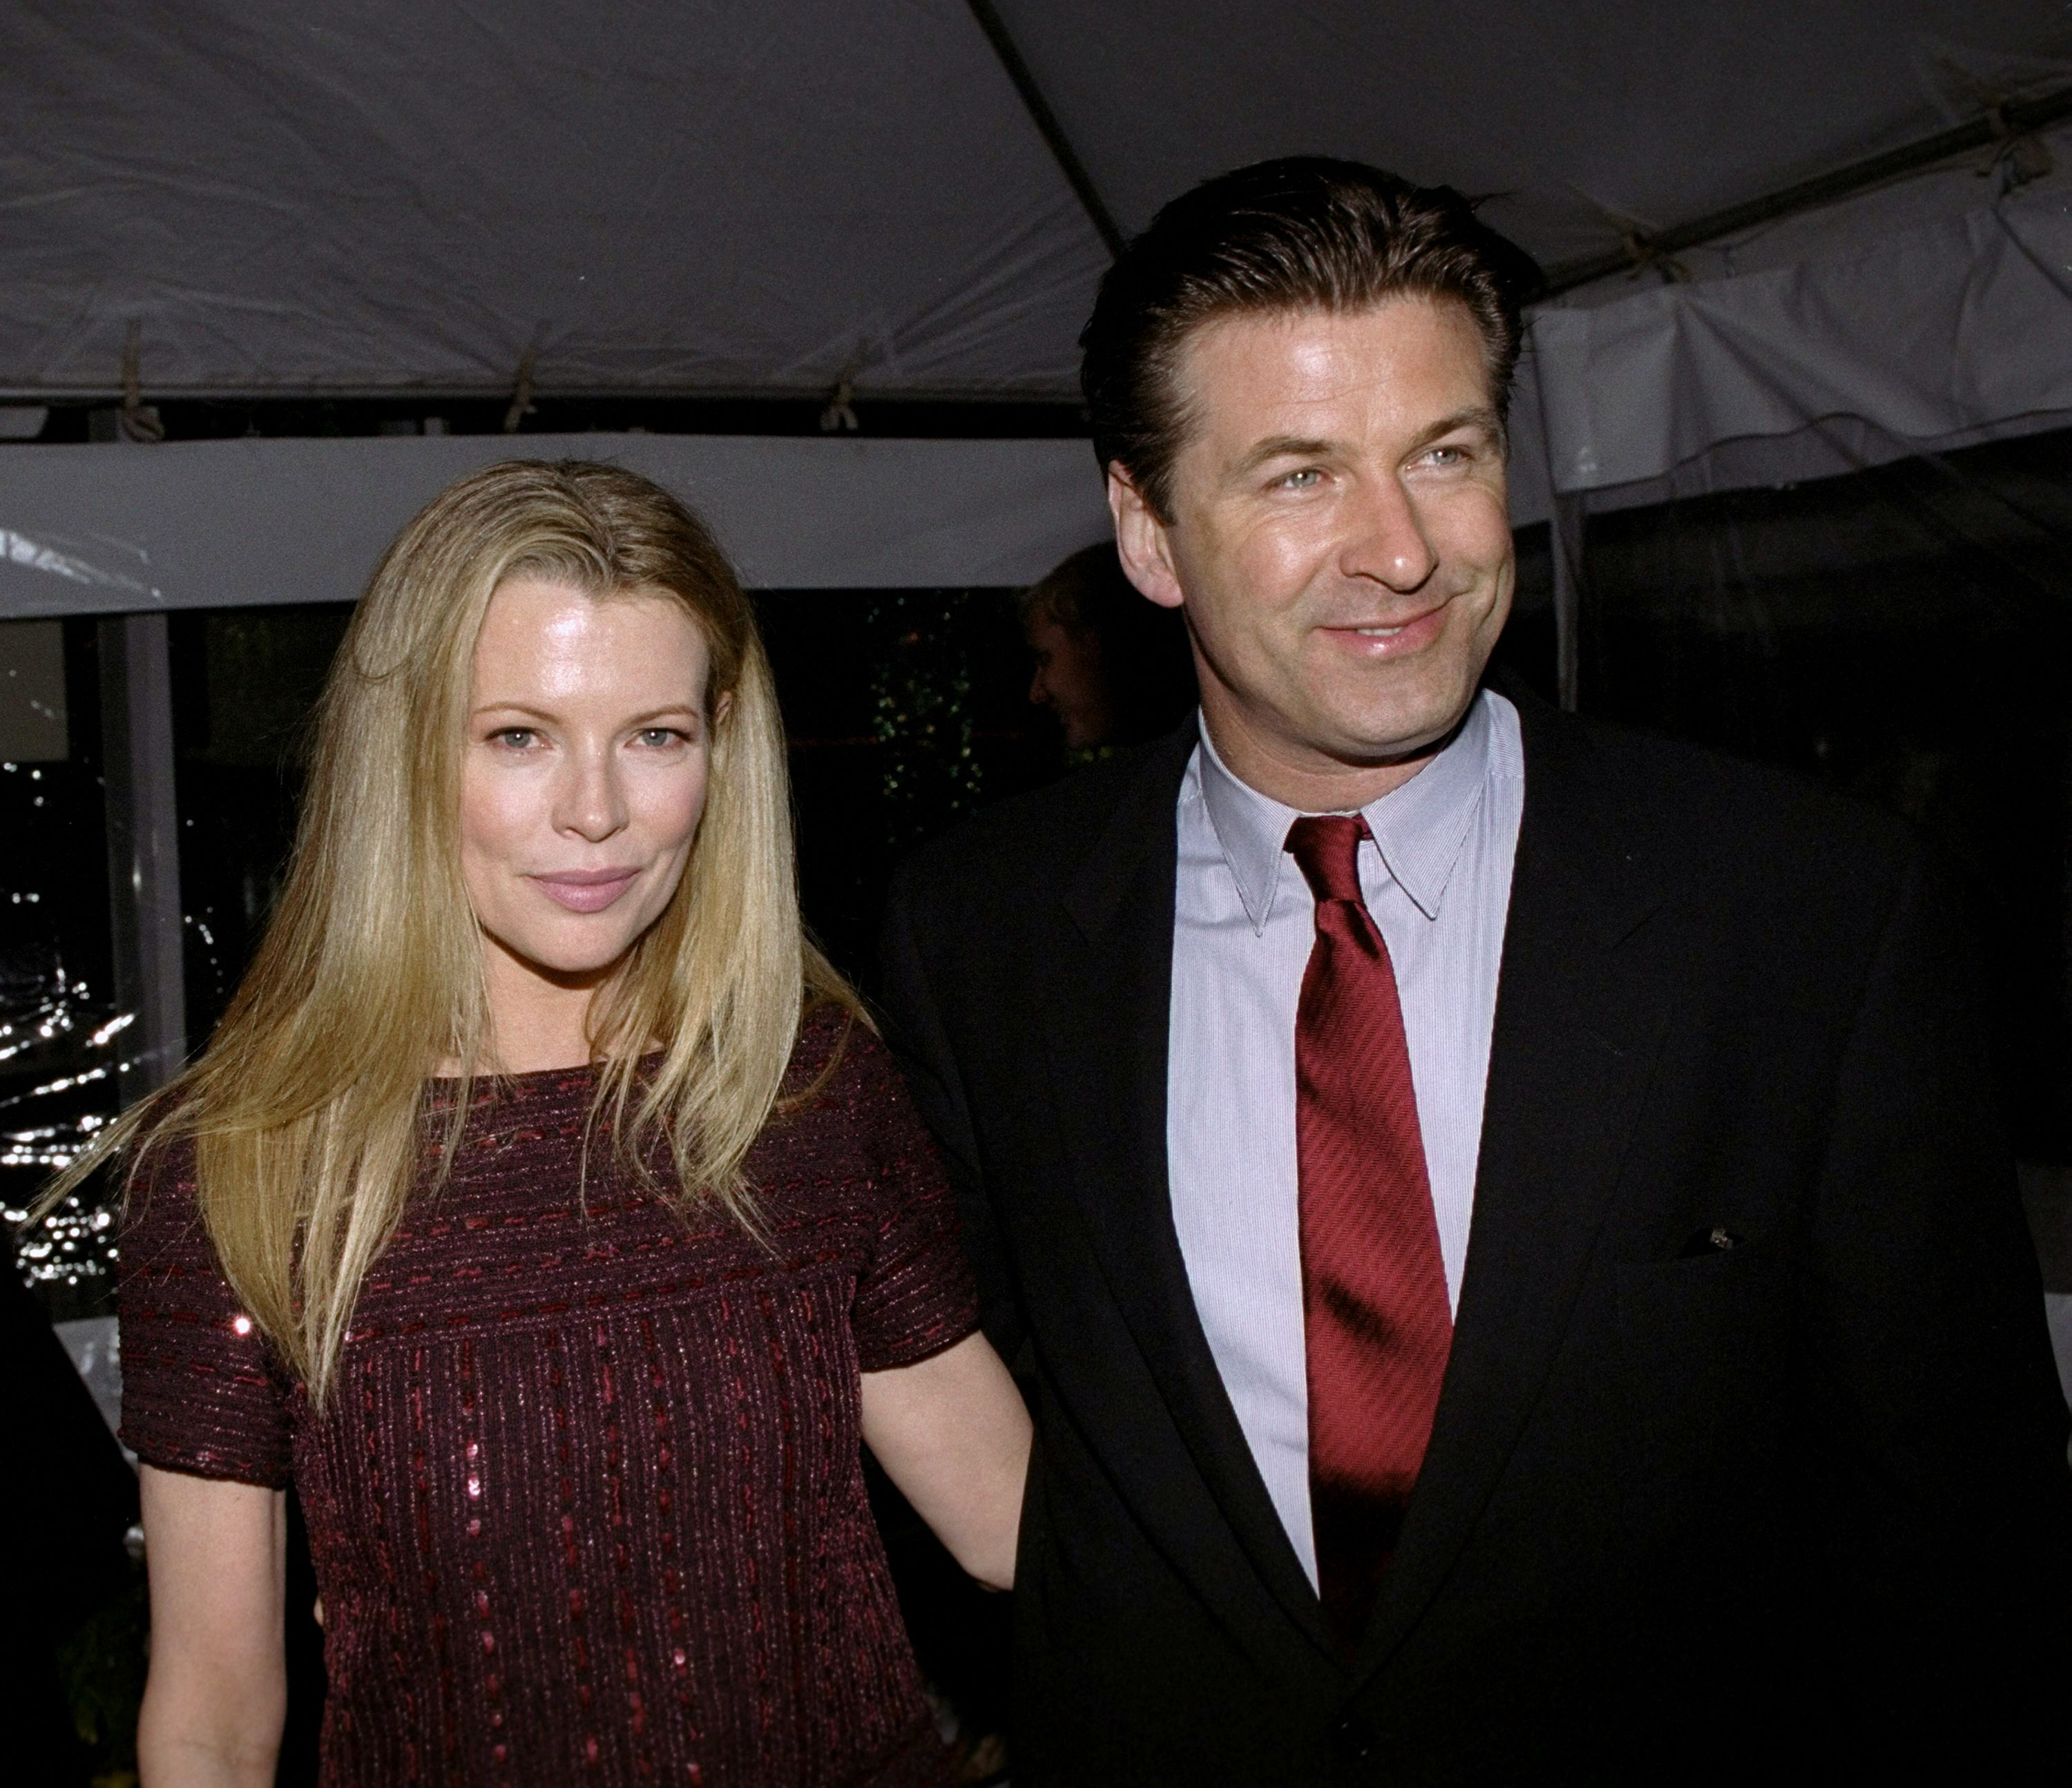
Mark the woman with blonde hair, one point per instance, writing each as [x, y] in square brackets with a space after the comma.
[545, 1209]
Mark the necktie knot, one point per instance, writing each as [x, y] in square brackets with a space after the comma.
[1326, 847]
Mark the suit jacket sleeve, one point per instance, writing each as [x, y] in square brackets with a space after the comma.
[1937, 1424]
[917, 1031]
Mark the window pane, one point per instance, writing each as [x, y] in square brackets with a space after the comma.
[60, 1033]
[244, 683]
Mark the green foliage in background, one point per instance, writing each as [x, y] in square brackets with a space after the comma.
[921, 711]
[100, 1667]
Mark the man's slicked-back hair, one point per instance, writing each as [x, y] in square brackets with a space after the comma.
[1306, 232]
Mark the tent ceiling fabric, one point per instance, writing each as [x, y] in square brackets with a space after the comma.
[654, 194]
[678, 195]
[1569, 116]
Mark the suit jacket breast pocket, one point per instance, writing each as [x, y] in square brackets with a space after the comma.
[1705, 1345]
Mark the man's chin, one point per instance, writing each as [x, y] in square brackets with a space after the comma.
[1374, 741]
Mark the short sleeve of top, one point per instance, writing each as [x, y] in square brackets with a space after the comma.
[201, 1393]
[915, 1295]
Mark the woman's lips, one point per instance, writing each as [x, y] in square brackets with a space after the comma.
[587, 890]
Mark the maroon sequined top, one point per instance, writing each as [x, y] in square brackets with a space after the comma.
[587, 1504]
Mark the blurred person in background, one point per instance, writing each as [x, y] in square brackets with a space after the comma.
[1114, 668]
[546, 1212]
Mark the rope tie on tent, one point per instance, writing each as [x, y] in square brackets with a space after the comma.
[1643, 256]
[2018, 156]
[141, 421]
[840, 411]
[521, 392]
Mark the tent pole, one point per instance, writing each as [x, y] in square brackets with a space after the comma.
[143, 848]
[1565, 536]
[1046, 124]
[1565, 523]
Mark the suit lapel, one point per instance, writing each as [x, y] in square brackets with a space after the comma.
[1109, 1015]
[1579, 1017]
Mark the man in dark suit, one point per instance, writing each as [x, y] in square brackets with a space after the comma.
[1503, 1223]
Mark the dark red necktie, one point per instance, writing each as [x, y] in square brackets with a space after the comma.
[1374, 1287]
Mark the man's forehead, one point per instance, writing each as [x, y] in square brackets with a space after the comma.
[1408, 351]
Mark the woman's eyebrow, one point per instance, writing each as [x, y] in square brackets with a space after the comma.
[663, 712]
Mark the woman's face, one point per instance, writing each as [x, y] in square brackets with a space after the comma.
[584, 773]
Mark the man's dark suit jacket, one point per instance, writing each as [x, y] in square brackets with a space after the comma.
[1749, 1451]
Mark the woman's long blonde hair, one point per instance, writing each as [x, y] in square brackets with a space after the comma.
[306, 1109]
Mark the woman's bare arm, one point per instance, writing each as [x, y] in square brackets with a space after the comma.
[217, 1692]
[952, 1433]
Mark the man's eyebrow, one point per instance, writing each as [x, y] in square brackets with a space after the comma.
[1282, 447]
[1300, 446]
[1482, 415]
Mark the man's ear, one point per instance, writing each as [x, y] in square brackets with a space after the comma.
[1141, 540]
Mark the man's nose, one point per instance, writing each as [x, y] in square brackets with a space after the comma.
[1387, 541]
[590, 801]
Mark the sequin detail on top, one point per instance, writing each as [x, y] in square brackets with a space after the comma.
[588, 1505]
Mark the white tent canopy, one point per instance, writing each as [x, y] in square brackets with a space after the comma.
[683, 198]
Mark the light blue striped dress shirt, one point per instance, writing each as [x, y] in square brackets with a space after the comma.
[1438, 881]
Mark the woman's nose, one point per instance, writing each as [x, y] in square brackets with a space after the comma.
[591, 803]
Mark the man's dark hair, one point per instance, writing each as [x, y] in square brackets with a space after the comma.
[1304, 233]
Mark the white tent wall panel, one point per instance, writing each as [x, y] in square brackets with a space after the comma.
[1953, 329]
[89, 530]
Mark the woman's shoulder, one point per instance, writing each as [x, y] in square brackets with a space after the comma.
[837, 1055]
[843, 1088]
[203, 1392]
[161, 1215]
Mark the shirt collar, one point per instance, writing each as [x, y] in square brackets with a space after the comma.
[1419, 827]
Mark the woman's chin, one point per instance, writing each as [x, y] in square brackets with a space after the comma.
[573, 962]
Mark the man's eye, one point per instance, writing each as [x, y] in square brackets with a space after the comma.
[1308, 479]
[1448, 456]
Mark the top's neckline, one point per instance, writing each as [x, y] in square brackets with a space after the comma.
[587, 1070]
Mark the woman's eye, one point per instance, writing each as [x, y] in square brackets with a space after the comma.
[516, 738]
[658, 736]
